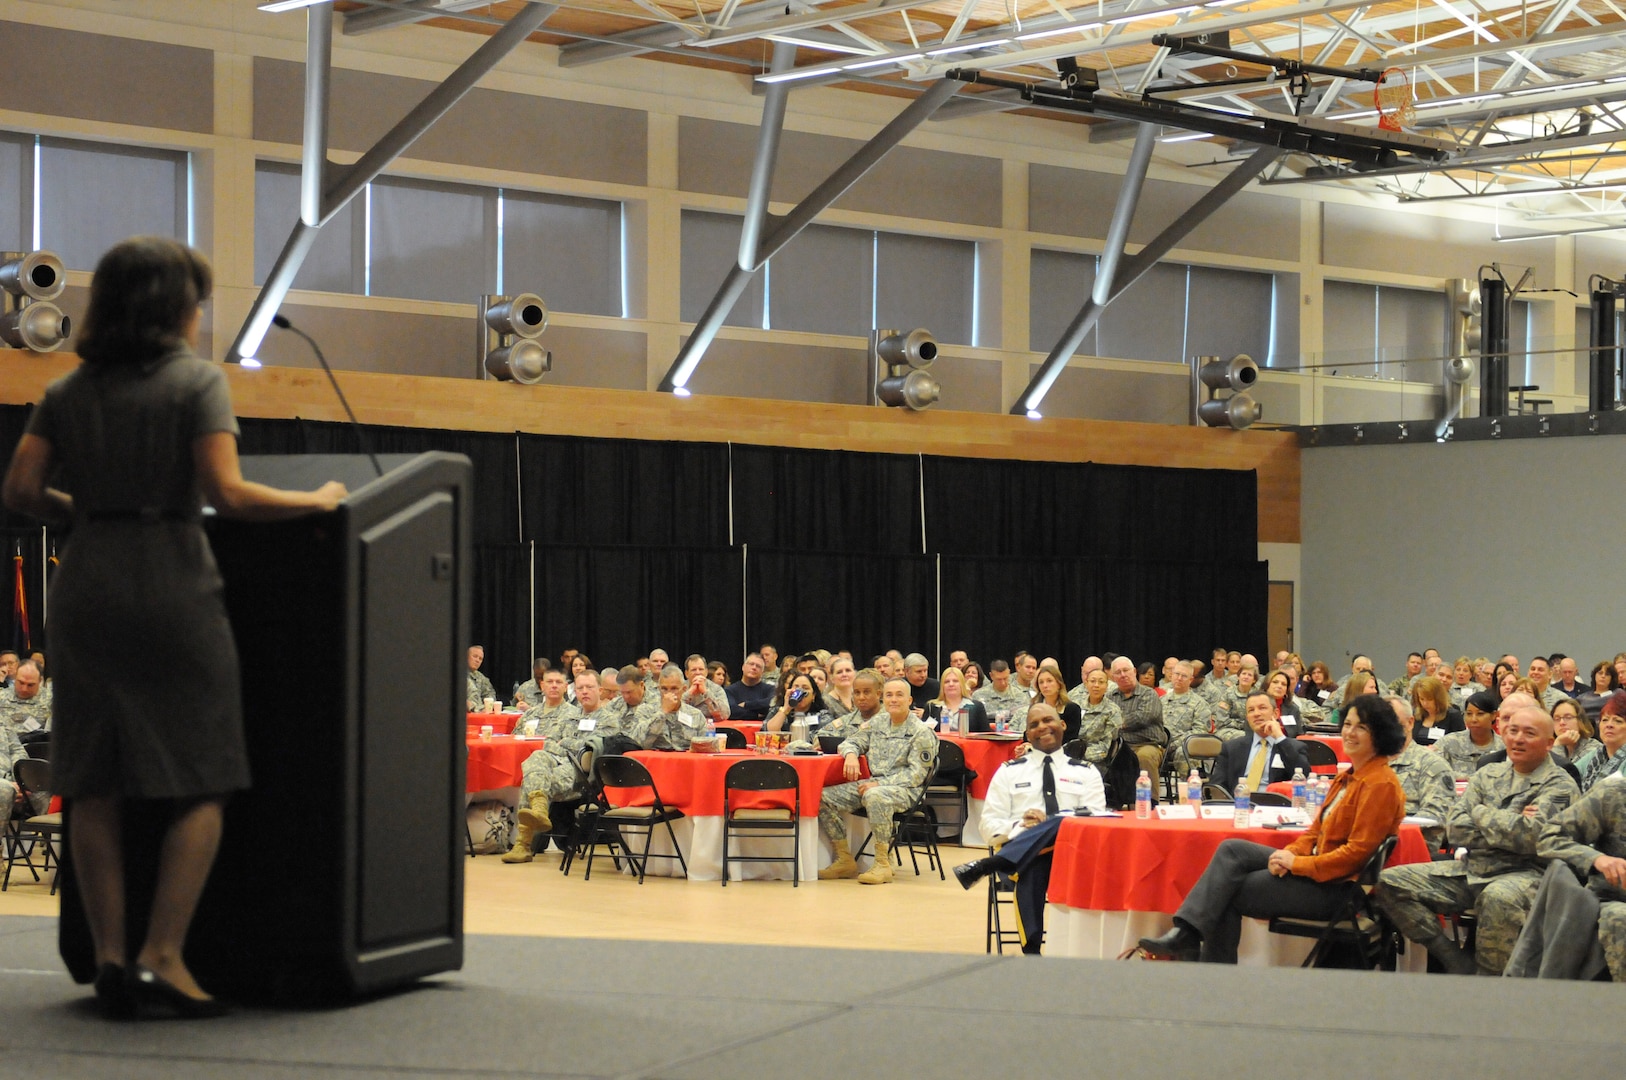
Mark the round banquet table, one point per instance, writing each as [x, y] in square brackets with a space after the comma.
[983, 756]
[494, 767]
[502, 723]
[1117, 880]
[693, 783]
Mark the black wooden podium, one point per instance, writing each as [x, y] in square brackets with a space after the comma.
[341, 872]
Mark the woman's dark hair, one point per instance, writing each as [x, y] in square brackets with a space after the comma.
[1145, 666]
[1388, 737]
[790, 685]
[141, 300]
[1605, 665]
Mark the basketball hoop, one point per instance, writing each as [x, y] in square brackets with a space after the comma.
[1393, 98]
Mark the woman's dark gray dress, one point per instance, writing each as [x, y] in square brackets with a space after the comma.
[148, 701]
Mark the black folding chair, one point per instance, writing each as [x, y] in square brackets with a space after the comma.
[829, 744]
[914, 828]
[734, 739]
[1270, 798]
[616, 771]
[584, 825]
[1319, 753]
[1001, 896]
[951, 785]
[1357, 923]
[37, 831]
[760, 775]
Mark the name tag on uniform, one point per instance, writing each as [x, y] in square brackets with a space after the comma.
[1023, 784]
[31, 724]
[1276, 762]
[1071, 781]
[1436, 733]
[587, 723]
[696, 722]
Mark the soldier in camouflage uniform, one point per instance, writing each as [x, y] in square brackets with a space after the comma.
[529, 692]
[665, 723]
[1458, 748]
[867, 706]
[612, 706]
[1186, 712]
[480, 687]
[901, 752]
[1425, 778]
[1499, 820]
[1099, 720]
[1003, 696]
[24, 705]
[1080, 692]
[1401, 687]
[1591, 837]
[554, 772]
[1231, 712]
[11, 752]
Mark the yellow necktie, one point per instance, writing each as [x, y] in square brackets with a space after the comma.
[1256, 770]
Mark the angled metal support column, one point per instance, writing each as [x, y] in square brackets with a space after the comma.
[346, 183]
[758, 243]
[1133, 268]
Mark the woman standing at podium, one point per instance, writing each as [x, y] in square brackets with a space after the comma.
[125, 448]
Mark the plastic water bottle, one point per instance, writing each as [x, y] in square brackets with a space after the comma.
[1194, 791]
[1244, 805]
[1321, 789]
[1143, 795]
[1299, 795]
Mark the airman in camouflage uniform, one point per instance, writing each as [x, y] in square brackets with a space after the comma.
[901, 752]
[1187, 713]
[554, 772]
[1499, 820]
[11, 751]
[663, 722]
[528, 693]
[1590, 832]
[1429, 786]
[1098, 727]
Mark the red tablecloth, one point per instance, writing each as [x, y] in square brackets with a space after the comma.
[502, 723]
[495, 763]
[693, 783]
[1337, 744]
[1126, 864]
[984, 756]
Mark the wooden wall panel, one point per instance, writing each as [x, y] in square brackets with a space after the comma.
[473, 405]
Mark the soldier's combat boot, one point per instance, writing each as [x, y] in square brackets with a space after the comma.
[881, 872]
[521, 851]
[536, 814]
[1455, 960]
[842, 865]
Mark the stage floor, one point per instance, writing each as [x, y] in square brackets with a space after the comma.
[612, 1008]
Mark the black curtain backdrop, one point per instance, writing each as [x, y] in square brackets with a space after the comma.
[624, 492]
[1073, 608]
[617, 603]
[801, 601]
[496, 496]
[500, 613]
[1051, 509]
[826, 500]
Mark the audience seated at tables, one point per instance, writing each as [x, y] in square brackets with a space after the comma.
[554, 772]
[1023, 812]
[1463, 749]
[529, 692]
[1005, 702]
[1265, 757]
[24, 706]
[1310, 878]
[900, 751]
[952, 706]
[750, 697]
[1424, 777]
[1142, 727]
[1498, 820]
[480, 688]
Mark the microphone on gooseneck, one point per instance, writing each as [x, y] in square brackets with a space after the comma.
[280, 321]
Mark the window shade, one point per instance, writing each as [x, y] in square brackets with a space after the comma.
[433, 241]
[564, 249]
[926, 281]
[711, 244]
[334, 263]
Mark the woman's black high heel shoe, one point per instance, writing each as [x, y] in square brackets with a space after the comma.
[113, 993]
[155, 996]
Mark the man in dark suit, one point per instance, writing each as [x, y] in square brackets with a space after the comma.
[1266, 757]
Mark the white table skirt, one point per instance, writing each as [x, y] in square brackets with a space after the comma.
[1107, 934]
